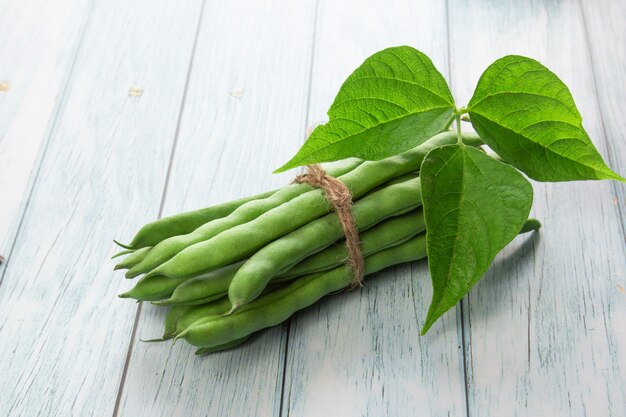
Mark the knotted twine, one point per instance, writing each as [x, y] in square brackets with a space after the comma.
[340, 198]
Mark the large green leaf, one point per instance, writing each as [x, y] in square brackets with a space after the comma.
[473, 207]
[394, 101]
[528, 116]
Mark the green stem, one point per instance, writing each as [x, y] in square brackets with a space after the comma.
[458, 112]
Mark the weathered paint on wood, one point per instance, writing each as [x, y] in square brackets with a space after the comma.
[37, 49]
[606, 37]
[360, 353]
[64, 333]
[245, 108]
[544, 329]
[543, 333]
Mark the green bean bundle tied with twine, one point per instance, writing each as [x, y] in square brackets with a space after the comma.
[419, 190]
[228, 271]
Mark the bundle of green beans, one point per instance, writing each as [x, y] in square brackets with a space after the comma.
[228, 271]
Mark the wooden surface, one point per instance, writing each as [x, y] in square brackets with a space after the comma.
[113, 113]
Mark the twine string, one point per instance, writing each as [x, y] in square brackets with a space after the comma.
[340, 198]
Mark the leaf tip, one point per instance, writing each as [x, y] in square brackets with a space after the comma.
[619, 178]
[281, 169]
[428, 324]
[292, 163]
[434, 313]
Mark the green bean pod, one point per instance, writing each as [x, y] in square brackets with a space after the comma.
[204, 288]
[384, 235]
[276, 307]
[133, 258]
[169, 247]
[292, 248]
[183, 223]
[387, 234]
[242, 241]
[215, 285]
[153, 288]
[122, 253]
[196, 313]
[226, 346]
[178, 224]
[172, 317]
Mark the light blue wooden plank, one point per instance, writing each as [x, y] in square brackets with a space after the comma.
[39, 43]
[606, 37]
[360, 353]
[65, 333]
[545, 325]
[606, 34]
[245, 111]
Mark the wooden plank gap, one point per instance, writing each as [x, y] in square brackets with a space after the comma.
[5, 258]
[449, 49]
[307, 117]
[308, 129]
[535, 326]
[612, 151]
[284, 404]
[227, 147]
[131, 343]
[360, 353]
[464, 313]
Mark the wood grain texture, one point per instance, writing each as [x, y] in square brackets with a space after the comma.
[104, 84]
[245, 108]
[606, 34]
[360, 353]
[544, 329]
[606, 37]
[38, 47]
[64, 333]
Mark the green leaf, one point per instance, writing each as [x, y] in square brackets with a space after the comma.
[528, 116]
[473, 207]
[393, 102]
